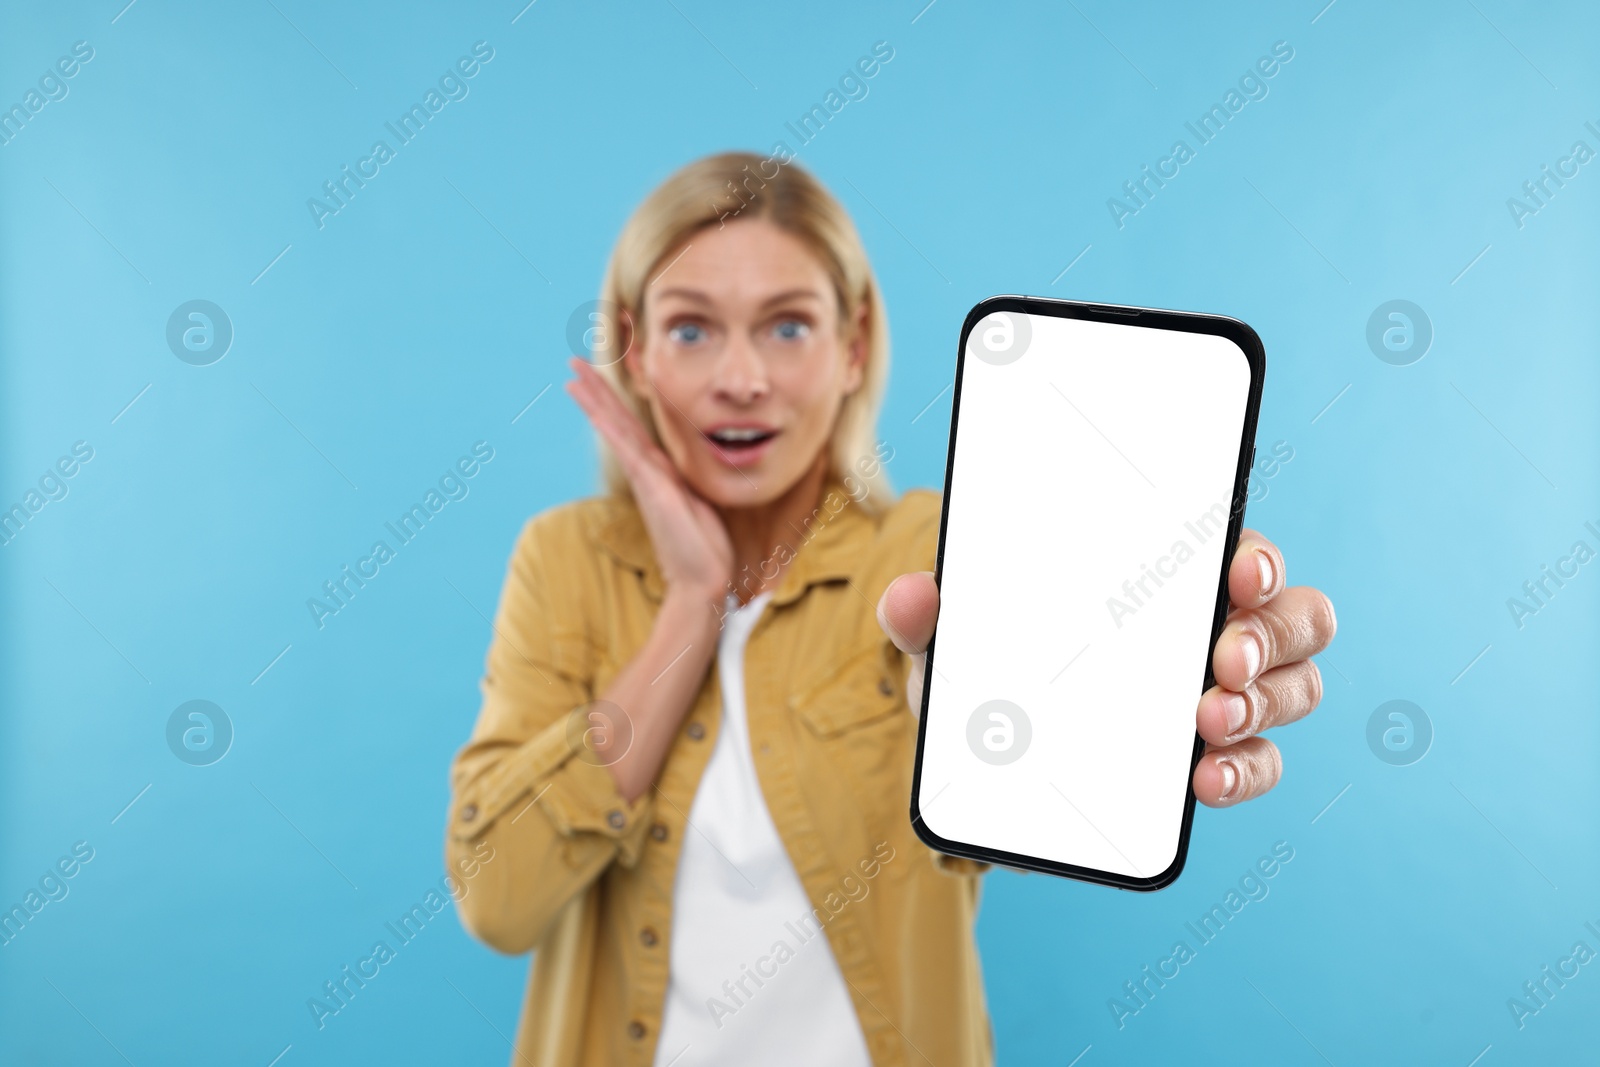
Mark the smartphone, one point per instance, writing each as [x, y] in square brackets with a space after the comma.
[1095, 487]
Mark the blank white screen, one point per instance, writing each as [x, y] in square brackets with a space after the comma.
[1104, 454]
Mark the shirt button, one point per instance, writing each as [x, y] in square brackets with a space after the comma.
[659, 831]
[697, 730]
[636, 1030]
[616, 820]
[884, 687]
[648, 936]
[469, 812]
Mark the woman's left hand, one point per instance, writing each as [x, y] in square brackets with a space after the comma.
[1264, 672]
[1261, 662]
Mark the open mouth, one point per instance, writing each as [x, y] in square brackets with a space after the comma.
[741, 439]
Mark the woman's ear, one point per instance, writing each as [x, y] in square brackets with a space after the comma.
[632, 361]
[859, 334]
[625, 331]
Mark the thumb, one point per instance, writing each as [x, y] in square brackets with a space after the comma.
[908, 610]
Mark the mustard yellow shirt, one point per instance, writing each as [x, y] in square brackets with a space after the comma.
[585, 878]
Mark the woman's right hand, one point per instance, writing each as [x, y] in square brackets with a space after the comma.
[690, 540]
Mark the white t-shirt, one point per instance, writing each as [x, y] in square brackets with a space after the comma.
[734, 996]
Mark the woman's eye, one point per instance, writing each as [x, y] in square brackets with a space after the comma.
[792, 330]
[687, 333]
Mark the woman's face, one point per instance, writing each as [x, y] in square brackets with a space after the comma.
[743, 361]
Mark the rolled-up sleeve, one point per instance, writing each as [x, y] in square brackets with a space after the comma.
[534, 819]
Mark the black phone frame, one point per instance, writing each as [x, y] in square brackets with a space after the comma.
[1250, 345]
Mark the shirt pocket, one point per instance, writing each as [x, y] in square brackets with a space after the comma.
[864, 690]
[856, 767]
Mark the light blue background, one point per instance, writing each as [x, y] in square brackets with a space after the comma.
[424, 317]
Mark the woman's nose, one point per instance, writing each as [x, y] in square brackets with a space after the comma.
[741, 374]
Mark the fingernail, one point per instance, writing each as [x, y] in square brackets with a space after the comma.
[1250, 645]
[1230, 778]
[1235, 710]
[1267, 571]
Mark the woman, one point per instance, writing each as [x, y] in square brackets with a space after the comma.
[693, 758]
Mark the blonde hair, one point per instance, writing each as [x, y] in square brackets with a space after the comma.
[710, 192]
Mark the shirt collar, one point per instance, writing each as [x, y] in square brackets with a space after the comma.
[828, 546]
